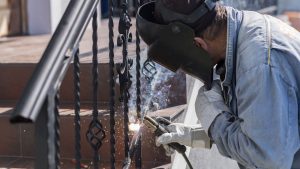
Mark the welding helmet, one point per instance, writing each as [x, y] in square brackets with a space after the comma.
[171, 38]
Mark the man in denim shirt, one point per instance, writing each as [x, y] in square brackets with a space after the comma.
[252, 111]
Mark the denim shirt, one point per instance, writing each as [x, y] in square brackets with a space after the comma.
[263, 80]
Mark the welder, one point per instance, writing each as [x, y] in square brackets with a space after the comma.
[250, 65]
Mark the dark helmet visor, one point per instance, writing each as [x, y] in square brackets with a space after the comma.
[172, 45]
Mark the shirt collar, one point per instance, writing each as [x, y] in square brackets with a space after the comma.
[234, 20]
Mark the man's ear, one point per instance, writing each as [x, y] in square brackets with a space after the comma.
[201, 43]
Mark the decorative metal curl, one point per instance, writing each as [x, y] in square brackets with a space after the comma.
[124, 26]
[95, 134]
[124, 79]
[149, 69]
[125, 21]
[123, 39]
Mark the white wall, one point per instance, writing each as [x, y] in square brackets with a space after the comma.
[44, 15]
[58, 8]
[39, 21]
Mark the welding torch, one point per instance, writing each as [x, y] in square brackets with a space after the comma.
[157, 126]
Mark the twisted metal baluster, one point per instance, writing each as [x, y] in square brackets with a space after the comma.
[95, 133]
[126, 96]
[138, 155]
[126, 126]
[124, 75]
[57, 131]
[76, 74]
[138, 72]
[112, 87]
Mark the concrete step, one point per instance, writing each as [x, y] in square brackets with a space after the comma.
[14, 77]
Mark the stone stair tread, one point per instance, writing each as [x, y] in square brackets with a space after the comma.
[6, 110]
[63, 112]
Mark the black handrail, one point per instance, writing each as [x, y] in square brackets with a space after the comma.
[55, 61]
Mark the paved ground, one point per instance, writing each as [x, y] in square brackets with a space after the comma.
[29, 49]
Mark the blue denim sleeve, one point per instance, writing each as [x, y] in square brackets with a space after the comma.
[265, 133]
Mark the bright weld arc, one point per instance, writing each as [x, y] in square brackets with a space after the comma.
[134, 127]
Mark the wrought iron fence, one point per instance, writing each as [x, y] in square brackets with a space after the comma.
[40, 101]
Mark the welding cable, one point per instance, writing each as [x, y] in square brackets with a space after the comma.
[187, 160]
[160, 124]
[181, 149]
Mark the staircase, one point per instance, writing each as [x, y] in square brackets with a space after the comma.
[18, 59]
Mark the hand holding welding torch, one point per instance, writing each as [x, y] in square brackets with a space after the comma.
[158, 128]
[169, 133]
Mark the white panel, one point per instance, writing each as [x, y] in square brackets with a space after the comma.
[39, 19]
[44, 15]
[58, 8]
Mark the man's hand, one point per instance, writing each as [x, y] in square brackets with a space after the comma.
[179, 133]
[192, 136]
[209, 104]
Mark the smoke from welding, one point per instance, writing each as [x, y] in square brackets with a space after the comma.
[154, 93]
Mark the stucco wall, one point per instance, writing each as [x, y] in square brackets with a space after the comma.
[44, 15]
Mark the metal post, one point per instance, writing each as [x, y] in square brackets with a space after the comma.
[138, 153]
[47, 134]
[41, 138]
[112, 88]
[76, 73]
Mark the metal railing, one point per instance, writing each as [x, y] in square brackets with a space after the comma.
[39, 103]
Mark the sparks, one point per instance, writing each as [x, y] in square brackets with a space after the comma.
[134, 127]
